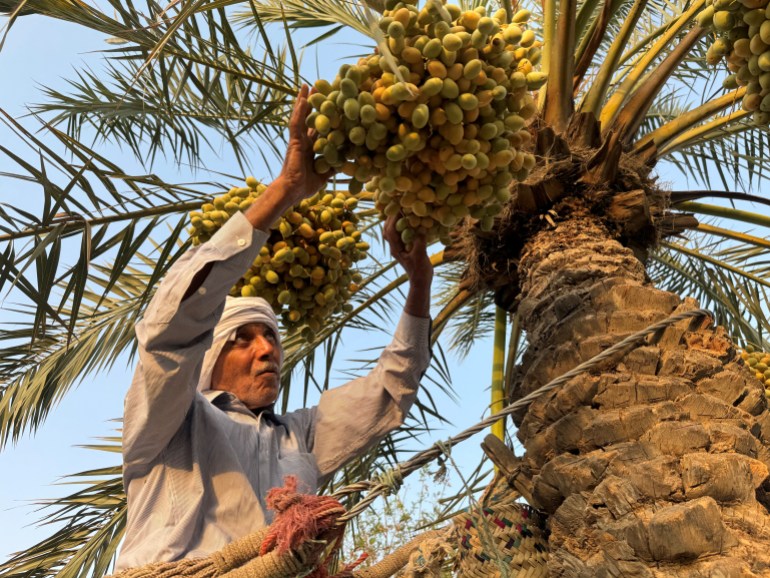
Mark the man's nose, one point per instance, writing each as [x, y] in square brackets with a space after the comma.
[264, 348]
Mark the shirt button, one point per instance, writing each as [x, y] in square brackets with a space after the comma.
[241, 242]
[202, 291]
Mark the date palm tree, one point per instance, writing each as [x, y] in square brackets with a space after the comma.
[652, 464]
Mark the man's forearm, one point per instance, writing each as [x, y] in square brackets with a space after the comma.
[262, 214]
[270, 206]
[418, 299]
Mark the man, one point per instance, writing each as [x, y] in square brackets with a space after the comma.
[201, 446]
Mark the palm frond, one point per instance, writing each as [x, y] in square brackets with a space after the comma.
[89, 525]
[473, 322]
[726, 269]
[346, 15]
[733, 154]
[202, 82]
[88, 205]
[38, 370]
[736, 301]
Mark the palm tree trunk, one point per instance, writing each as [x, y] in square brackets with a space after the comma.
[656, 464]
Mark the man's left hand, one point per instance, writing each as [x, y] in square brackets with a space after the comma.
[417, 265]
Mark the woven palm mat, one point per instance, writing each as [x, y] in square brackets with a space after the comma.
[500, 532]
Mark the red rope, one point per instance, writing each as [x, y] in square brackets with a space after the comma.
[303, 517]
[347, 571]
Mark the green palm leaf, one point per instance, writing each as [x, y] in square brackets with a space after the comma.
[90, 523]
[308, 14]
[736, 302]
[200, 82]
[38, 370]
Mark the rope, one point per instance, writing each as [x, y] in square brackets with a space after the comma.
[396, 560]
[380, 485]
[429, 556]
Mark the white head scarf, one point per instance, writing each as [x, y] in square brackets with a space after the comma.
[239, 311]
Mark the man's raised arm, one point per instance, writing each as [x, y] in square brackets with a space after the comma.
[354, 417]
[177, 327]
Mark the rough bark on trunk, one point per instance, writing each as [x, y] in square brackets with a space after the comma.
[655, 464]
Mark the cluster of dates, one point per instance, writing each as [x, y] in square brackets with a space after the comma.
[437, 127]
[305, 270]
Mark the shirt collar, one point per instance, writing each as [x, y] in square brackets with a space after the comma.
[214, 395]
[221, 399]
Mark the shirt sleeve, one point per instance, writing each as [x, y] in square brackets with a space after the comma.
[352, 418]
[175, 334]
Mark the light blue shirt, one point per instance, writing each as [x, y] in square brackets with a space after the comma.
[197, 465]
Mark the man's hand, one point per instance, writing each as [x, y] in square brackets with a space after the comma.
[297, 179]
[417, 265]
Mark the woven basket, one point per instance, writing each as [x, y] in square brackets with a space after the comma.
[498, 532]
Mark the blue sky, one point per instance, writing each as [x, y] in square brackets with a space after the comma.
[38, 52]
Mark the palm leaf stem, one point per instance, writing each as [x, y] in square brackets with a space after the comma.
[721, 132]
[612, 108]
[107, 109]
[498, 371]
[549, 40]
[634, 112]
[376, 5]
[637, 50]
[734, 235]
[73, 221]
[513, 351]
[584, 26]
[726, 213]
[663, 135]
[598, 91]
[218, 65]
[716, 262]
[13, 12]
[702, 133]
[508, 5]
[440, 321]
[679, 197]
[558, 94]
[591, 42]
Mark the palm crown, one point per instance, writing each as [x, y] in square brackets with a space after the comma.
[619, 103]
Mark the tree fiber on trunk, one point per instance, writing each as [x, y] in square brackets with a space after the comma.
[656, 464]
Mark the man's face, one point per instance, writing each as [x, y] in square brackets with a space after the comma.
[249, 367]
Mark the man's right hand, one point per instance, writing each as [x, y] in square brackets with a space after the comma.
[298, 176]
[298, 179]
